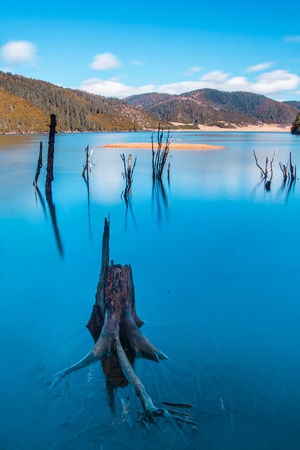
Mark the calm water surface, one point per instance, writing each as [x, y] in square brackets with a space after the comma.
[215, 259]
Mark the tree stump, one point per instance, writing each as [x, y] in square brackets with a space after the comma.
[115, 328]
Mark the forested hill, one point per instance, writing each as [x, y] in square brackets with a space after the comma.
[26, 104]
[216, 108]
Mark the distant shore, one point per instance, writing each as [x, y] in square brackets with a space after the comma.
[254, 128]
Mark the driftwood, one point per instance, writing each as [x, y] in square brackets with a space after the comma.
[115, 328]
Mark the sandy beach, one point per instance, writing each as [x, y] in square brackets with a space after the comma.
[173, 146]
[255, 128]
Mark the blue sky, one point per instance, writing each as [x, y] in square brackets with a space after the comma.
[117, 49]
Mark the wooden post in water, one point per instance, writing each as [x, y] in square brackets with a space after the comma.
[50, 177]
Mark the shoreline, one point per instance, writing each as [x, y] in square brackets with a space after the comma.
[250, 128]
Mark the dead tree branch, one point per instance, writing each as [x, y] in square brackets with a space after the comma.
[128, 175]
[88, 164]
[159, 156]
[264, 172]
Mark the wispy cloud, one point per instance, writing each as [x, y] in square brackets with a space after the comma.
[260, 67]
[294, 38]
[192, 70]
[267, 83]
[104, 61]
[113, 88]
[18, 52]
[276, 81]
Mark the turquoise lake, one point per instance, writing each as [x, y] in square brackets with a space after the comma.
[215, 259]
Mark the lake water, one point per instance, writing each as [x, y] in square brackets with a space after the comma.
[215, 259]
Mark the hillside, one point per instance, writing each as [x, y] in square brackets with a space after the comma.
[216, 108]
[294, 103]
[26, 104]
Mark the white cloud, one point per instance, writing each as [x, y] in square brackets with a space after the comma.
[104, 61]
[16, 52]
[260, 67]
[265, 84]
[113, 88]
[276, 81]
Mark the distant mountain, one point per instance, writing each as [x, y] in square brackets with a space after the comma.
[293, 103]
[216, 108]
[144, 101]
[26, 105]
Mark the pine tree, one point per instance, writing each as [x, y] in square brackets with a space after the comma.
[295, 129]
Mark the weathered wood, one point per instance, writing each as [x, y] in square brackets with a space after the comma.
[264, 172]
[160, 155]
[88, 164]
[50, 159]
[114, 315]
[115, 328]
[128, 175]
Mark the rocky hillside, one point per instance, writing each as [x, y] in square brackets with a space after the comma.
[216, 108]
[26, 104]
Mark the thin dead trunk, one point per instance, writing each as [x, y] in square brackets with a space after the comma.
[264, 172]
[39, 165]
[50, 160]
[128, 175]
[160, 155]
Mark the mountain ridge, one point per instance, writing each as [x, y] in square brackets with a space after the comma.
[217, 108]
[26, 104]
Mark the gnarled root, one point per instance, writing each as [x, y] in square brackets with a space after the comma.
[90, 358]
[150, 410]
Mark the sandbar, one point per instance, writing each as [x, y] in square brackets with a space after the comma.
[173, 146]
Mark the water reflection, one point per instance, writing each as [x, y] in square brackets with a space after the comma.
[287, 188]
[51, 206]
[87, 169]
[129, 209]
[54, 222]
[160, 203]
[126, 193]
[38, 196]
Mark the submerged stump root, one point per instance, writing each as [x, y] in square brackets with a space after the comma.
[115, 328]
